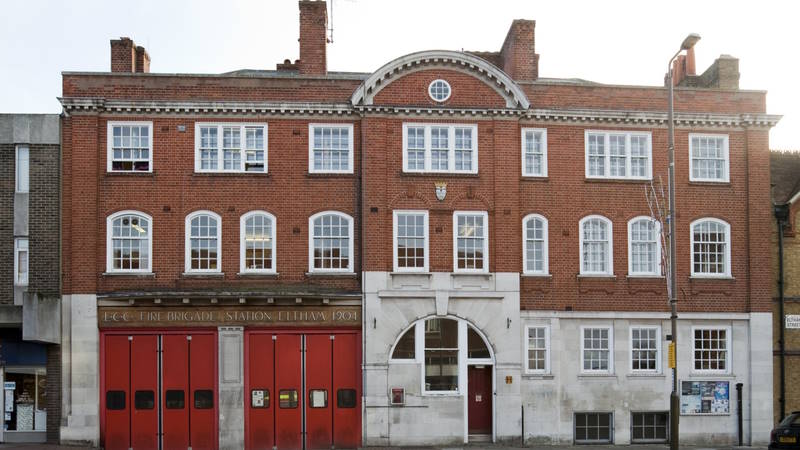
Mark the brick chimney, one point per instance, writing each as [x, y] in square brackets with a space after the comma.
[313, 38]
[127, 57]
[722, 74]
[518, 53]
[142, 60]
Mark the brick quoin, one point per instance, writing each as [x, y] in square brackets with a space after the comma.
[288, 191]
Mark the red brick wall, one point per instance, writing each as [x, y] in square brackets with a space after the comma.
[173, 191]
[467, 91]
[565, 197]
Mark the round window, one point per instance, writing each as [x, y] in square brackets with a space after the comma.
[439, 90]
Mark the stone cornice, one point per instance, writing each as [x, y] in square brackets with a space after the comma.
[586, 116]
[653, 118]
[78, 105]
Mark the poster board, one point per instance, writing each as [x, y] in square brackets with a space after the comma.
[705, 398]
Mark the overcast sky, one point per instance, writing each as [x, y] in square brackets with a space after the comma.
[617, 42]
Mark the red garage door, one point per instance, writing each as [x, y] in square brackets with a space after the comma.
[303, 390]
[159, 391]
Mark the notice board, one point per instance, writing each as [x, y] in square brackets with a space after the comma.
[705, 397]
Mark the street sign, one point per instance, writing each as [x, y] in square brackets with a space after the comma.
[792, 321]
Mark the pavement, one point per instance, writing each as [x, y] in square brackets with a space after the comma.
[466, 447]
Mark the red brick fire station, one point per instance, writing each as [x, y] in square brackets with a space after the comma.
[449, 249]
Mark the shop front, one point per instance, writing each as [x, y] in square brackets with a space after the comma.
[255, 376]
[23, 373]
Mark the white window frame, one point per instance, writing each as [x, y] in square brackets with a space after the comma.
[524, 140]
[110, 145]
[351, 254]
[351, 150]
[220, 152]
[419, 336]
[610, 253]
[17, 250]
[728, 349]
[22, 177]
[546, 250]
[449, 90]
[395, 215]
[610, 370]
[657, 328]
[546, 370]
[607, 165]
[110, 239]
[726, 150]
[451, 145]
[657, 272]
[243, 244]
[188, 244]
[728, 244]
[485, 216]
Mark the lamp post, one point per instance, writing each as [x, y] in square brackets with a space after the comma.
[672, 287]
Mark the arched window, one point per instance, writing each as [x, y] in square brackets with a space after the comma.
[445, 346]
[203, 241]
[644, 246]
[129, 242]
[596, 246]
[330, 242]
[257, 242]
[711, 248]
[534, 243]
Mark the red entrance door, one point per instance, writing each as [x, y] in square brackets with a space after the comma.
[479, 403]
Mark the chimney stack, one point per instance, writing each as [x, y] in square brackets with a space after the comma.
[518, 53]
[126, 57]
[313, 37]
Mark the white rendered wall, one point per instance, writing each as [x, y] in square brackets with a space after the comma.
[489, 302]
[551, 400]
[80, 375]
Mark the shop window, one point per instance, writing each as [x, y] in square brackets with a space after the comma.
[593, 428]
[318, 398]
[346, 398]
[175, 399]
[405, 348]
[203, 399]
[25, 396]
[115, 400]
[144, 400]
[649, 426]
[287, 398]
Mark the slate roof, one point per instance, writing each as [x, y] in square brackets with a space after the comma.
[784, 175]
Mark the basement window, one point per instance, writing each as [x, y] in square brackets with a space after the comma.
[649, 427]
[594, 428]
